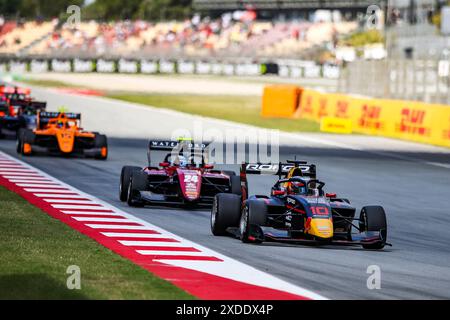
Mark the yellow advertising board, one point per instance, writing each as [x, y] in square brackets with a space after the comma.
[336, 125]
[407, 120]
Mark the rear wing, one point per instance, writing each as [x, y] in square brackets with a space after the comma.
[55, 115]
[280, 169]
[44, 117]
[180, 146]
[286, 170]
[14, 90]
[166, 145]
[30, 104]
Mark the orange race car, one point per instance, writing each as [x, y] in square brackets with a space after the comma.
[61, 133]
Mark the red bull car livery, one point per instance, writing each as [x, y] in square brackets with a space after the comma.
[297, 210]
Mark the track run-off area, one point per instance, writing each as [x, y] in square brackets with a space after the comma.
[410, 180]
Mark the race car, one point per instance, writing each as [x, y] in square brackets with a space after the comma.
[297, 211]
[61, 133]
[17, 114]
[14, 92]
[183, 178]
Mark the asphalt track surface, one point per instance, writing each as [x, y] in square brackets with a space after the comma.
[414, 193]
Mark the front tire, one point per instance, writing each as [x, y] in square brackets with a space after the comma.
[225, 213]
[373, 218]
[125, 176]
[26, 138]
[254, 213]
[138, 183]
[19, 143]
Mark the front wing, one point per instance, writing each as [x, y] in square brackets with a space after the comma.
[275, 235]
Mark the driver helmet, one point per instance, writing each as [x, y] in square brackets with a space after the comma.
[297, 187]
[182, 161]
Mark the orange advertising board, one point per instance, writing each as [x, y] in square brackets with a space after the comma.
[280, 100]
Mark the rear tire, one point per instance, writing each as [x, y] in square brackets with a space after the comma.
[373, 218]
[253, 213]
[225, 213]
[125, 176]
[236, 188]
[101, 142]
[138, 182]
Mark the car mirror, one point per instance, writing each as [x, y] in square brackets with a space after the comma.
[331, 195]
[164, 164]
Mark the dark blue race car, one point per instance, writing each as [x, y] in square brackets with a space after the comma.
[297, 210]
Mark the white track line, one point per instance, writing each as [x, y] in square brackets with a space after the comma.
[81, 213]
[39, 185]
[152, 243]
[62, 196]
[8, 170]
[69, 200]
[132, 235]
[118, 219]
[67, 206]
[118, 227]
[21, 175]
[172, 253]
[40, 190]
[28, 180]
[165, 244]
[10, 166]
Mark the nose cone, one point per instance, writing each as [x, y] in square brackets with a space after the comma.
[191, 182]
[322, 228]
[65, 141]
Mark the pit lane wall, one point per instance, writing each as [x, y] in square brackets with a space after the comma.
[406, 120]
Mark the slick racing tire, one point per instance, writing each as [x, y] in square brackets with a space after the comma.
[138, 182]
[373, 218]
[236, 188]
[25, 136]
[254, 213]
[125, 176]
[225, 213]
[19, 142]
[101, 142]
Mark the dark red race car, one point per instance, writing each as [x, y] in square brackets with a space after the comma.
[18, 110]
[183, 178]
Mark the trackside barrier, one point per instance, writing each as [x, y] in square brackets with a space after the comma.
[336, 125]
[406, 120]
[280, 100]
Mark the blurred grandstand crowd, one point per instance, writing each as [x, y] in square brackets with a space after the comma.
[199, 37]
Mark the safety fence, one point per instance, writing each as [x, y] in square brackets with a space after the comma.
[425, 80]
[407, 120]
[290, 69]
